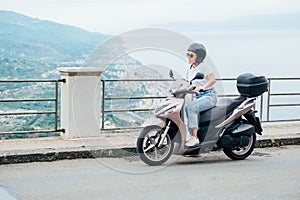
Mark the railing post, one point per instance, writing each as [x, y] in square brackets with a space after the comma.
[80, 102]
[261, 107]
[56, 105]
[102, 110]
[268, 101]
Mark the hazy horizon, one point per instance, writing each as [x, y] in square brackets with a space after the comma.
[117, 16]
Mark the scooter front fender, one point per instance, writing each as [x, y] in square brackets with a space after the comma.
[155, 121]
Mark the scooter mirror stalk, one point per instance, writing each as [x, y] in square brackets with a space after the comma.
[171, 74]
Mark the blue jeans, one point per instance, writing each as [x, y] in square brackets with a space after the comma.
[204, 101]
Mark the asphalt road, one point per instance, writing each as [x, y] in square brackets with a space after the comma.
[270, 173]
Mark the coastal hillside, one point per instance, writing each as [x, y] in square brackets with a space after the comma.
[33, 49]
[31, 38]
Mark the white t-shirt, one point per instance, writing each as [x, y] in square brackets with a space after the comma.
[204, 69]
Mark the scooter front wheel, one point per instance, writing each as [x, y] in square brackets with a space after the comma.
[148, 147]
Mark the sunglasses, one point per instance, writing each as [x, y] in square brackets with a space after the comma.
[189, 55]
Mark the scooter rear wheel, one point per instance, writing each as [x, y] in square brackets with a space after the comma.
[242, 152]
[148, 149]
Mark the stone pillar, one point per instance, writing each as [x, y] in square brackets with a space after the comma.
[80, 102]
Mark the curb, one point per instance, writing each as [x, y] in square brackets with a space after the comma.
[67, 155]
[114, 153]
[277, 142]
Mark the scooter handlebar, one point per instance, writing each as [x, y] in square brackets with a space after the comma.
[189, 89]
[194, 87]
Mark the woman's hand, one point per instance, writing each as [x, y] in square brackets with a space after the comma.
[198, 89]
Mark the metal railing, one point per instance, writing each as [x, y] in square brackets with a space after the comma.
[105, 98]
[271, 94]
[262, 106]
[264, 103]
[53, 112]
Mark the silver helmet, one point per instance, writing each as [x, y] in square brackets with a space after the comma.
[199, 50]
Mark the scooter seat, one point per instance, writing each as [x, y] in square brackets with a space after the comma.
[221, 110]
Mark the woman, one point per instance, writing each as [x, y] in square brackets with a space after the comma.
[206, 96]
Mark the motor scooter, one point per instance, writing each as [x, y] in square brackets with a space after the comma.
[230, 126]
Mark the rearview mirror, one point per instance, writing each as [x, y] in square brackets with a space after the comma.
[198, 76]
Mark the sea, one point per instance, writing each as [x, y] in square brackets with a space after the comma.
[274, 54]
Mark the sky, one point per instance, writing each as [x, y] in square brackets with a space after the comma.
[232, 52]
[117, 16]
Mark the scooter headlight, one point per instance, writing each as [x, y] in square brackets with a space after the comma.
[161, 108]
[165, 109]
[170, 110]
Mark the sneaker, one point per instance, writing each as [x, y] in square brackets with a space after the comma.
[192, 142]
